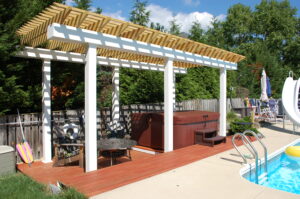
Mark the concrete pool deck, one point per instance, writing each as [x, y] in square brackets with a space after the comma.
[215, 177]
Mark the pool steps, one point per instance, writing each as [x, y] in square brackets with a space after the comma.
[263, 178]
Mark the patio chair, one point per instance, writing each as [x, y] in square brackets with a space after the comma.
[273, 104]
[269, 111]
[68, 147]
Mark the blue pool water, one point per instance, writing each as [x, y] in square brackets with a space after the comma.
[283, 173]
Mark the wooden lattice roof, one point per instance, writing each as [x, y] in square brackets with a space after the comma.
[34, 34]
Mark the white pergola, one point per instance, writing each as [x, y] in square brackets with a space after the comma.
[74, 35]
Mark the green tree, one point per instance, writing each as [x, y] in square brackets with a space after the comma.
[197, 33]
[174, 27]
[157, 26]
[83, 4]
[291, 54]
[20, 80]
[198, 83]
[238, 25]
[275, 23]
[139, 15]
[139, 86]
[216, 36]
[98, 10]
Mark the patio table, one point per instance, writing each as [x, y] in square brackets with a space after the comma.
[115, 147]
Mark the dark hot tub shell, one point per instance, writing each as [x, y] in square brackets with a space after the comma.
[148, 128]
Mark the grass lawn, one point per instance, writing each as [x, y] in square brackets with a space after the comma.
[20, 186]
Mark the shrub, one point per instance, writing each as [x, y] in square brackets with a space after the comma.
[231, 116]
[240, 128]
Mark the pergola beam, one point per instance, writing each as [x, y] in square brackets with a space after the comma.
[65, 33]
[55, 55]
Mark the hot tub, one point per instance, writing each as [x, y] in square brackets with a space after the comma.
[148, 128]
[7, 160]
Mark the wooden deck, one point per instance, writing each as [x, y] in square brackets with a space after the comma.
[107, 178]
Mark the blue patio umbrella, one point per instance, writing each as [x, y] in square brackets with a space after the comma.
[269, 91]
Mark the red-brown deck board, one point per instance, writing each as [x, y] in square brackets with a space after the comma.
[108, 178]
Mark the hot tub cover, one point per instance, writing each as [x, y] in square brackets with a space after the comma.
[189, 117]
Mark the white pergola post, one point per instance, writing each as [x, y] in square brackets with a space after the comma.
[168, 106]
[223, 101]
[115, 94]
[174, 91]
[46, 112]
[90, 109]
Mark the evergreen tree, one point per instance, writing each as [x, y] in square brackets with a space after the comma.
[98, 10]
[197, 33]
[216, 36]
[157, 26]
[174, 28]
[139, 15]
[139, 86]
[20, 79]
[83, 4]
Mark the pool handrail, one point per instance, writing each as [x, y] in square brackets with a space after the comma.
[263, 145]
[254, 151]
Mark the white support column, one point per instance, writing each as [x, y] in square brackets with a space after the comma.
[223, 101]
[174, 91]
[46, 106]
[116, 94]
[168, 106]
[90, 109]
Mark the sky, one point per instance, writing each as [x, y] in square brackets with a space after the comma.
[185, 12]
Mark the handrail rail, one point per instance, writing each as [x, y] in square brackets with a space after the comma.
[263, 145]
[246, 145]
[254, 151]
[233, 142]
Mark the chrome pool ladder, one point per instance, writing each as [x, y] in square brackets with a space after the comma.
[247, 143]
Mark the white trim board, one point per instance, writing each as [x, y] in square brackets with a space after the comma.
[65, 33]
[42, 53]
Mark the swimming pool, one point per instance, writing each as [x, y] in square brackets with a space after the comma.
[283, 172]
